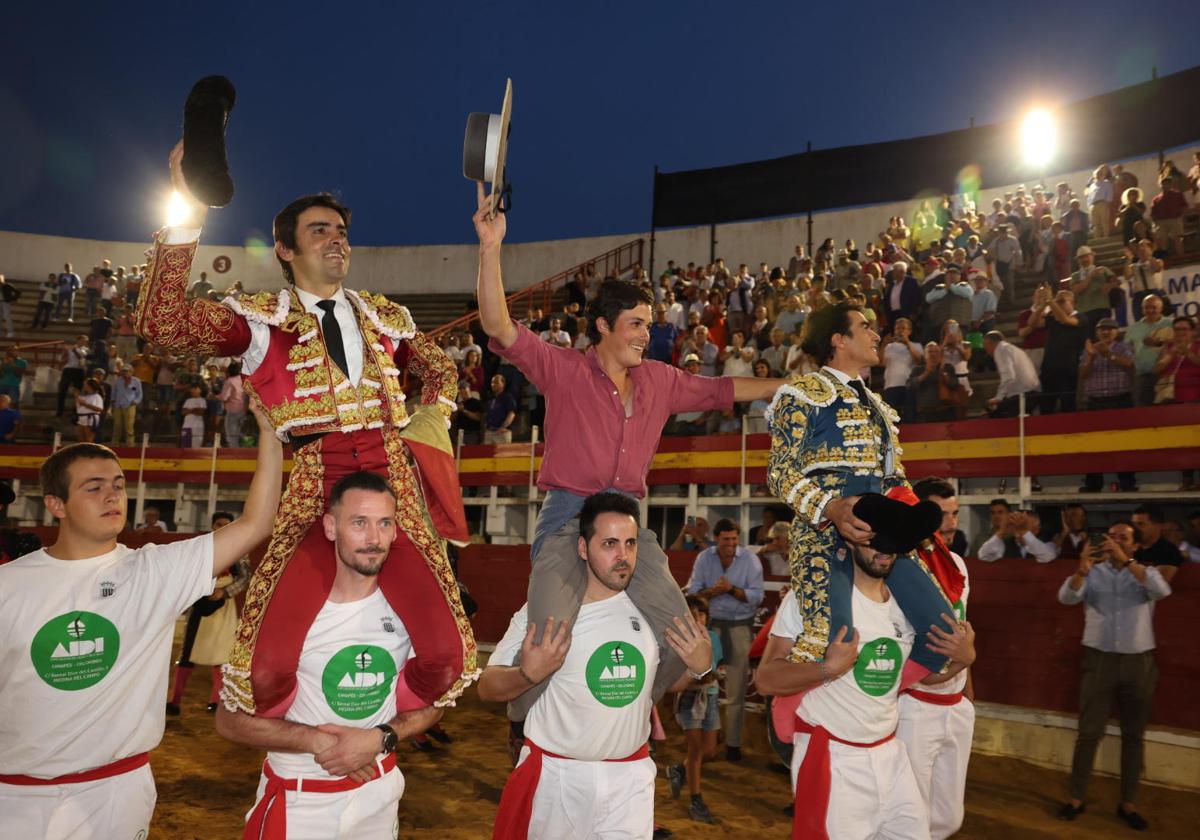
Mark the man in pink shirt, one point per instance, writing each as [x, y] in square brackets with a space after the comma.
[605, 412]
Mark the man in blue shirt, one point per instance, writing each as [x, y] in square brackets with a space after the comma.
[10, 420]
[126, 397]
[730, 576]
[501, 411]
[662, 336]
[1118, 659]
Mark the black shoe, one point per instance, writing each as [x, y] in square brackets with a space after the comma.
[662, 833]
[212, 708]
[439, 734]
[173, 709]
[733, 753]
[699, 811]
[1069, 812]
[423, 746]
[1132, 819]
[676, 773]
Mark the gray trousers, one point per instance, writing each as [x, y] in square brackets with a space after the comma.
[557, 584]
[1130, 677]
[735, 642]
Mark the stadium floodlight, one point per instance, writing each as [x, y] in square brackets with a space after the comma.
[178, 210]
[1039, 138]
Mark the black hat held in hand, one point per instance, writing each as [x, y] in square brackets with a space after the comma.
[205, 166]
[898, 527]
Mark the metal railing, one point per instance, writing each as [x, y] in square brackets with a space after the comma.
[47, 353]
[541, 295]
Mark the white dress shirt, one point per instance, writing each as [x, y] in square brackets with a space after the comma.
[1017, 374]
[1029, 545]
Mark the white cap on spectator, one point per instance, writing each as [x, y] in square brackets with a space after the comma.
[1083, 251]
[691, 357]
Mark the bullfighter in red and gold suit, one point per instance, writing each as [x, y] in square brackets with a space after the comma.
[325, 363]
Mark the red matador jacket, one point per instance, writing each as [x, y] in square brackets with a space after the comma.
[360, 427]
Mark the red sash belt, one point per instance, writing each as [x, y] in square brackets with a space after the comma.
[516, 803]
[117, 768]
[268, 820]
[812, 781]
[935, 699]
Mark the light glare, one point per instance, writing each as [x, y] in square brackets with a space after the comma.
[1039, 137]
[178, 210]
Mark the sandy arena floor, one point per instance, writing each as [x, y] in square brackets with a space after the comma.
[206, 784]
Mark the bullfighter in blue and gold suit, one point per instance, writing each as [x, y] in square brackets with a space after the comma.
[833, 440]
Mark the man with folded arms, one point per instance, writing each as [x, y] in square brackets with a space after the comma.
[85, 644]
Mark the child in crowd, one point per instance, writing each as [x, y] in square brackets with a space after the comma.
[698, 712]
[195, 407]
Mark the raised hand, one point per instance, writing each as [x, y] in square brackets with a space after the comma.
[198, 209]
[488, 227]
[692, 643]
[540, 661]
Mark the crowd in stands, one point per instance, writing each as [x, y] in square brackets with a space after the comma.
[1090, 337]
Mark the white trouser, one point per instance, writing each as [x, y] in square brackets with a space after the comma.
[369, 812]
[116, 807]
[938, 740]
[593, 800]
[872, 793]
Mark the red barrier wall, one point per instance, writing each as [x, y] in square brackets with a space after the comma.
[1028, 643]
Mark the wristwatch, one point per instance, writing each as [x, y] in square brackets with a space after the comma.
[390, 739]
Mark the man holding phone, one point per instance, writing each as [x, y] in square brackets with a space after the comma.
[1118, 659]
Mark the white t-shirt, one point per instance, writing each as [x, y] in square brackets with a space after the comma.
[597, 705]
[91, 404]
[351, 658]
[735, 365]
[85, 646]
[195, 422]
[898, 363]
[860, 705]
[959, 681]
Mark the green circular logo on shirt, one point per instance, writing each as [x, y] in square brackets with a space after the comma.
[877, 669]
[960, 610]
[357, 680]
[75, 650]
[616, 674]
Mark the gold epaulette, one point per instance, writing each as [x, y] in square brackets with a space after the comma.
[389, 317]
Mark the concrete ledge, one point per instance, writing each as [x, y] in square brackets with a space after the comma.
[1047, 739]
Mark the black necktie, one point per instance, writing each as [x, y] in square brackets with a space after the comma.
[861, 390]
[333, 335]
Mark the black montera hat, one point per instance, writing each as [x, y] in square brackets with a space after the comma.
[899, 527]
[205, 165]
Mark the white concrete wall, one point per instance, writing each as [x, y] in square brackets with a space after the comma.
[451, 268]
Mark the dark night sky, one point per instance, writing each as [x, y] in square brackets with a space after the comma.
[370, 99]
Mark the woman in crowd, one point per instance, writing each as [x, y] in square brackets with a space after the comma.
[900, 355]
[1179, 366]
[1133, 210]
[88, 406]
[1099, 199]
[713, 317]
[470, 376]
[233, 399]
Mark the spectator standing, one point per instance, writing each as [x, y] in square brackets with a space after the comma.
[10, 420]
[730, 577]
[1065, 337]
[1019, 527]
[1142, 274]
[739, 304]
[1070, 542]
[1075, 225]
[900, 355]
[697, 709]
[1118, 592]
[233, 400]
[693, 536]
[92, 286]
[126, 397]
[952, 299]
[1006, 250]
[108, 291]
[12, 374]
[68, 284]
[792, 316]
[1148, 335]
[1133, 211]
[1173, 533]
[89, 404]
[133, 284]
[933, 384]
[194, 408]
[1018, 375]
[45, 306]
[8, 296]
[1106, 377]
[957, 353]
[1167, 211]
[201, 288]
[705, 350]
[471, 373]
[1099, 196]
[74, 367]
[556, 335]
[127, 339]
[901, 294]
[1092, 286]
[662, 337]
[738, 358]
[501, 412]
[1033, 338]
[1178, 365]
[1153, 547]
[775, 355]
[676, 312]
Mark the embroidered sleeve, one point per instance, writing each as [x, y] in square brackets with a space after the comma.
[166, 317]
[434, 368]
[787, 421]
